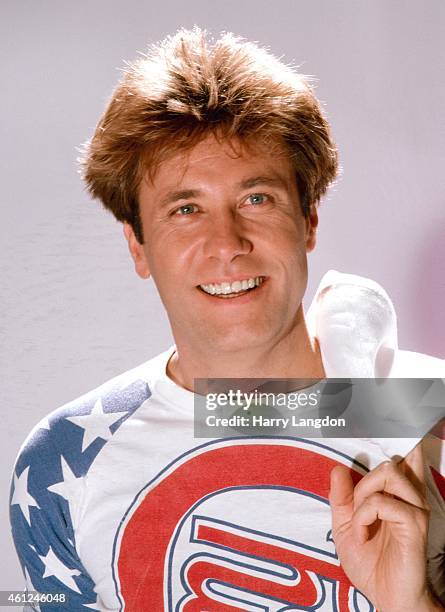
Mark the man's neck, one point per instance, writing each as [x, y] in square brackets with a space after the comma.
[297, 355]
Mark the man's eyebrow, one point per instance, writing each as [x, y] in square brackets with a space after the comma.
[186, 194]
[175, 196]
[273, 181]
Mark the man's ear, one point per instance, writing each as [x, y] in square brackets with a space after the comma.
[137, 252]
[311, 229]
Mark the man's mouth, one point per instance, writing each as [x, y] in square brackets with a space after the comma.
[235, 289]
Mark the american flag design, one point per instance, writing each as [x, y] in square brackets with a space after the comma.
[50, 475]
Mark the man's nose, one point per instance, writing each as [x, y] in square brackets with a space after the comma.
[227, 238]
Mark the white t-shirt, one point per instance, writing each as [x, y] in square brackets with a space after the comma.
[116, 505]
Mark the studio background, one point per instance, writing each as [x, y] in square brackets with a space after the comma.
[73, 312]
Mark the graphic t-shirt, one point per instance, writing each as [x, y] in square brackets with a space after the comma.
[118, 506]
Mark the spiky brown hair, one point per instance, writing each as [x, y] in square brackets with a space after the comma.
[188, 86]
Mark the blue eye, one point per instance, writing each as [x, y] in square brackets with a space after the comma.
[257, 198]
[187, 209]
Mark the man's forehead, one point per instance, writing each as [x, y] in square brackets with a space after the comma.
[250, 162]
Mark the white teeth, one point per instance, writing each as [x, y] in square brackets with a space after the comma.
[235, 287]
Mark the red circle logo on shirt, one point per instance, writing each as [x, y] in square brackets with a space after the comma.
[235, 523]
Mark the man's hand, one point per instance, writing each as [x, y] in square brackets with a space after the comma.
[380, 532]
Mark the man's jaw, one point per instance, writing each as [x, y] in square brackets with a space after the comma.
[232, 288]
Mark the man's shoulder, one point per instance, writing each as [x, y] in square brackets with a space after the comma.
[80, 428]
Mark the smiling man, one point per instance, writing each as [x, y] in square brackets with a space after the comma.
[214, 155]
[227, 250]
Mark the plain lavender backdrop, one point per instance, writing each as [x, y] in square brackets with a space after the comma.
[73, 312]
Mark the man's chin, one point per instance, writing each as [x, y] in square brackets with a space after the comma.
[236, 342]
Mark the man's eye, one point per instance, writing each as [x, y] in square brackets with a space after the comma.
[257, 198]
[186, 209]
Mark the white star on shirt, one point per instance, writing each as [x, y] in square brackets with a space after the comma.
[21, 495]
[69, 488]
[44, 424]
[55, 567]
[93, 606]
[96, 424]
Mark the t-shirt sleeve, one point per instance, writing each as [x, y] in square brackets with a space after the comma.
[44, 492]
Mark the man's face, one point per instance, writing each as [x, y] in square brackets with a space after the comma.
[225, 241]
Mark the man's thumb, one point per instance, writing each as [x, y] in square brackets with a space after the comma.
[341, 496]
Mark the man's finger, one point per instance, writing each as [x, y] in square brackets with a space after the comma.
[388, 477]
[413, 466]
[382, 507]
[341, 496]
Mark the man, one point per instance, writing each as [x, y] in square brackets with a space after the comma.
[214, 156]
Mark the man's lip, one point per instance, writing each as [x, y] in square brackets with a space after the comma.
[241, 297]
[232, 279]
